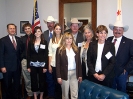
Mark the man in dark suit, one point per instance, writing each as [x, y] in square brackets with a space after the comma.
[10, 51]
[47, 36]
[74, 26]
[124, 55]
[50, 24]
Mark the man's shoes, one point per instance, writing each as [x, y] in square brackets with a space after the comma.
[29, 97]
[49, 97]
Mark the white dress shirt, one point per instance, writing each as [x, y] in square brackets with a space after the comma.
[12, 39]
[117, 43]
[71, 59]
[50, 32]
[98, 66]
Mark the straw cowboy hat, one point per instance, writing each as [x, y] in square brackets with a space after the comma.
[119, 22]
[50, 19]
[74, 20]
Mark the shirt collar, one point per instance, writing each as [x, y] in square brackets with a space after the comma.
[118, 39]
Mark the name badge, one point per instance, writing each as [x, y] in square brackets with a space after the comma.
[42, 46]
[108, 55]
[79, 44]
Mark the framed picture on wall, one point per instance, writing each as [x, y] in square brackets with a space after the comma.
[21, 26]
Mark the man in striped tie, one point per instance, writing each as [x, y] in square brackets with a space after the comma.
[10, 51]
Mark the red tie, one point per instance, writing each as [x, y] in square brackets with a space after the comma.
[115, 41]
[14, 43]
[28, 39]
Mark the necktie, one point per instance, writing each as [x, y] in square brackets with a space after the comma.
[50, 36]
[115, 41]
[28, 39]
[14, 43]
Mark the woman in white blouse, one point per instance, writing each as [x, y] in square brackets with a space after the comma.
[53, 45]
[88, 36]
[68, 66]
[101, 58]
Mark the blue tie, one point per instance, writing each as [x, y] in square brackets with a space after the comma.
[50, 36]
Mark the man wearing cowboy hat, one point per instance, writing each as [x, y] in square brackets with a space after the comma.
[123, 51]
[124, 55]
[50, 24]
[47, 36]
[74, 26]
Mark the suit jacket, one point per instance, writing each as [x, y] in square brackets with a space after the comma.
[62, 65]
[41, 56]
[24, 45]
[46, 36]
[9, 57]
[106, 64]
[124, 56]
[79, 38]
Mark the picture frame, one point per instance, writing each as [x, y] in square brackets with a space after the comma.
[21, 26]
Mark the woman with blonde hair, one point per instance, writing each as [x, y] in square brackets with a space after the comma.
[68, 66]
[88, 37]
[53, 45]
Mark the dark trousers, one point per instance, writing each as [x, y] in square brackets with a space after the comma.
[119, 82]
[106, 82]
[84, 76]
[50, 82]
[37, 79]
[58, 91]
[11, 84]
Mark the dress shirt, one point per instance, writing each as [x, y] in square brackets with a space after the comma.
[50, 32]
[71, 59]
[13, 38]
[117, 43]
[75, 36]
[98, 66]
[52, 51]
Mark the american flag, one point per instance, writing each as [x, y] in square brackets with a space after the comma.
[35, 19]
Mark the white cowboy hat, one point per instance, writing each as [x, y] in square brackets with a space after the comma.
[74, 20]
[119, 22]
[50, 19]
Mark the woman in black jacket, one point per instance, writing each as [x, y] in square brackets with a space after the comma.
[101, 58]
[37, 61]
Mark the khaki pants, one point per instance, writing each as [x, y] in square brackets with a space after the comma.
[72, 82]
[26, 76]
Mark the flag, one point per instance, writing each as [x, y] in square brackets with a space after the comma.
[35, 19]
[119, 11]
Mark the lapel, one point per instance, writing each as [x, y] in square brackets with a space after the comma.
[105, 48]
[64, 56]
[78, 38]
[121, 46]
[10, 42]
[95, 48]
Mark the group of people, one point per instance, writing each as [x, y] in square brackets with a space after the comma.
[57, 61]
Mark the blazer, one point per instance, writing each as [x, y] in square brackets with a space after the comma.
[9, 57]
[79, 38]
[124, 56]
[41, 56]
[46, 36]
[62, 65]
[107, 64]
[24, 45]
